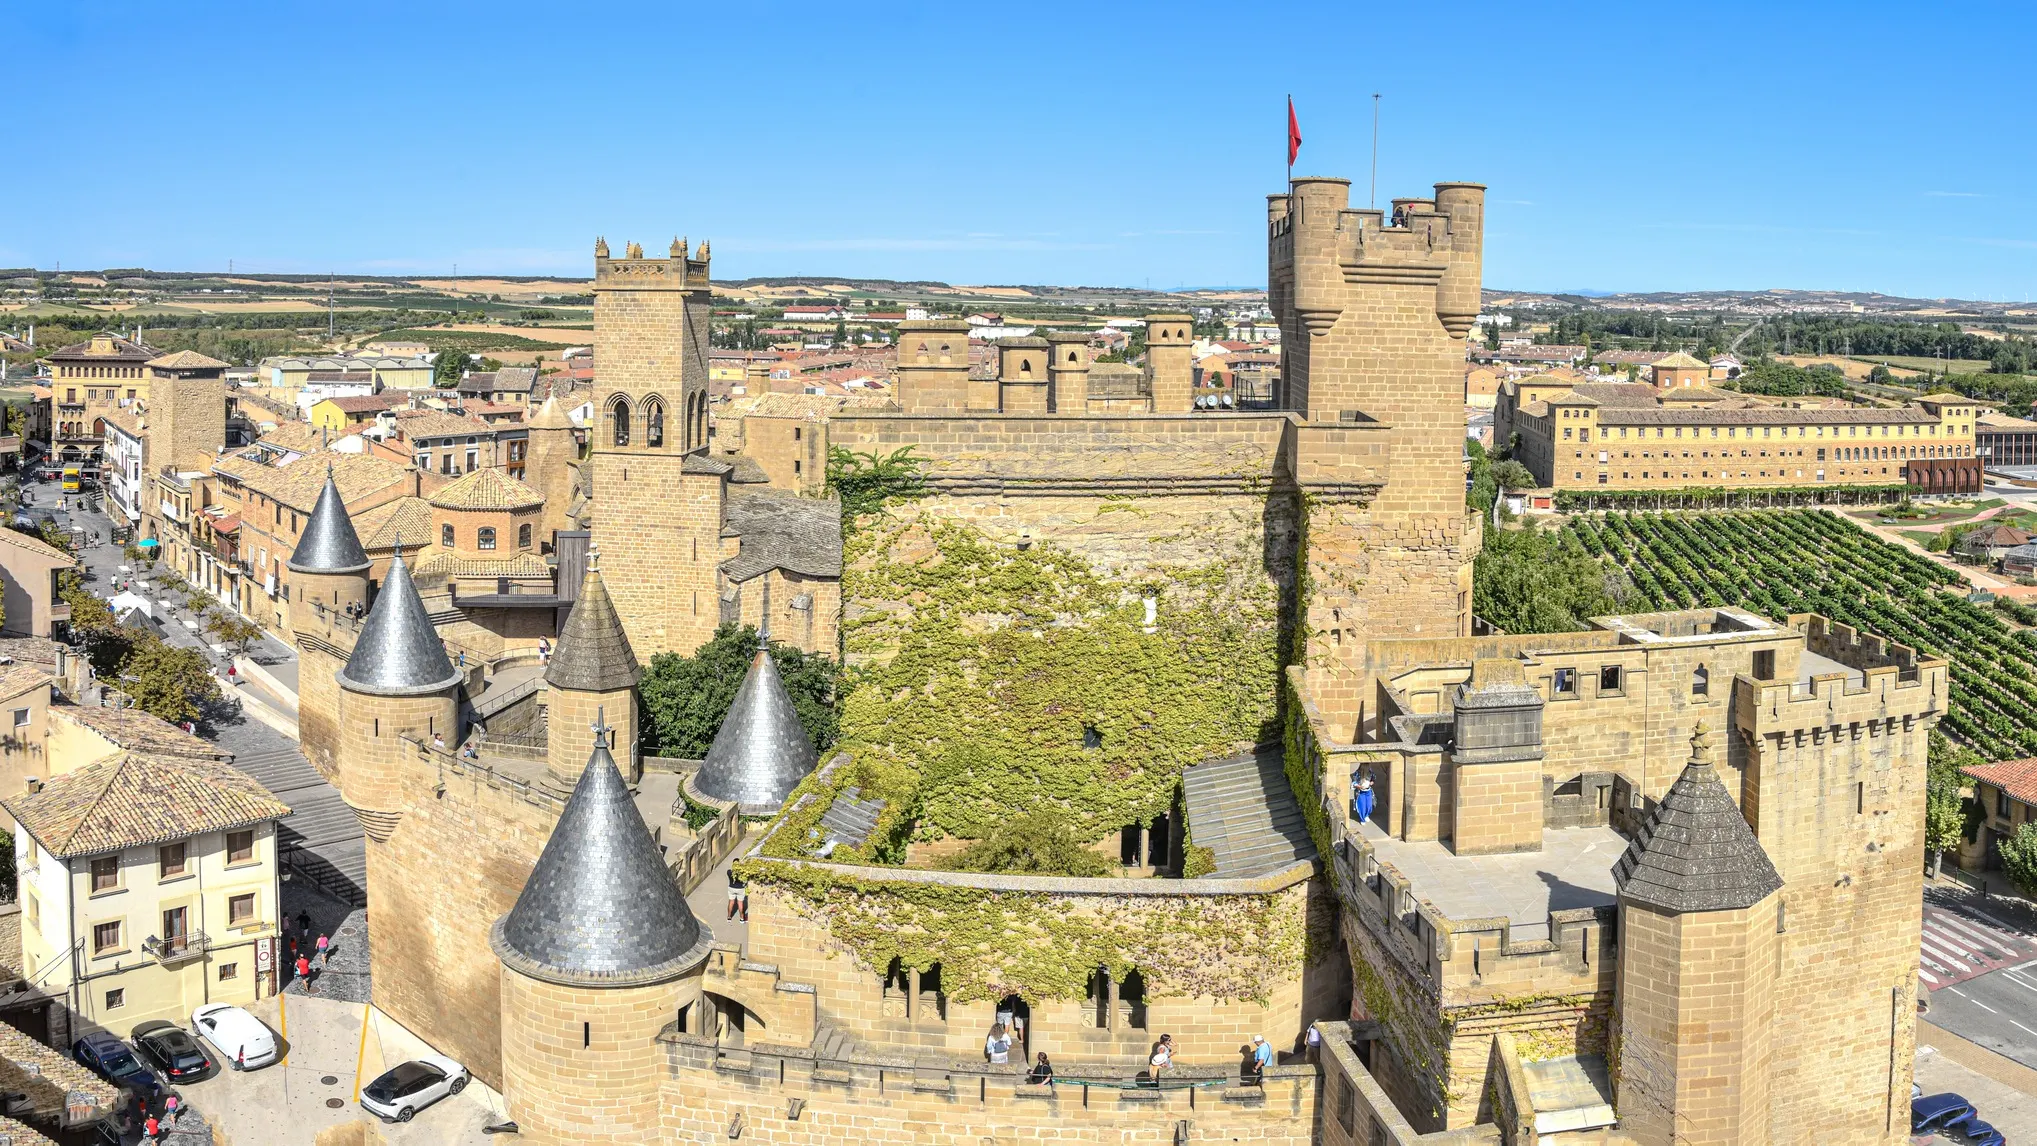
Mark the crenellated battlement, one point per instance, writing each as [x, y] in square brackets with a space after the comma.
[633, 271]
[1323, 244]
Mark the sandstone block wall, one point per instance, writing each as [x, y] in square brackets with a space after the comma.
[580, 1064]
[455, 864]
[373, 753]
[569, 724]
[659, 532]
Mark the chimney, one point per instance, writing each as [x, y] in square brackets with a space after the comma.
[33, 784]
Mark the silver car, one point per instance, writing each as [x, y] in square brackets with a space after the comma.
[404, 1090]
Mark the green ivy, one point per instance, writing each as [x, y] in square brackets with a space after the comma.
[993, 943]
[981, 667]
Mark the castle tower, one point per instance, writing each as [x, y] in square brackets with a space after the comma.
[933, 365]
[396, 683]
[1373, 313]
[1022, 376]
[1697, 968]
[1068, 372]
[658, 499]
[761, 752]
[548, 465]
[1170, 372]
[598, 955]
[187, 411]
[593, 673]
[328, 588]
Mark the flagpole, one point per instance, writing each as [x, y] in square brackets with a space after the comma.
[1372, 197]
[1286, 144]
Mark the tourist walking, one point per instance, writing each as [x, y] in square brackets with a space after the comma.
[997, 1047]
[739, 895]
[1042, 1073]
[304, 973]
[1361, 795]
[1262, 1057]
[324, 945]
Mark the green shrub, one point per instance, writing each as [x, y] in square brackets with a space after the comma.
[1037, 843]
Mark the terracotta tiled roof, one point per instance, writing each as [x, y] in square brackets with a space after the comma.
[438, 424]
[49, 1085]
[487, 488]
[138, 731]
[511, 564]
[19, 678]
[187, 360]
[124, 350]
[1764, 416]
[1630, 394]
[1995, 420]
[2016, 777]
[296, 437]
[297, 484]
[35, 545]
[1679, 360]
[134, 799]
[365, 403]
[406, 517]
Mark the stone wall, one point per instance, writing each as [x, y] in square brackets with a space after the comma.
[579, 1064]
[782, 1096]
[659, 532]
[455, 864]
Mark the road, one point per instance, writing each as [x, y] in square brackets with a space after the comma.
[1980, 964]
[321, 837]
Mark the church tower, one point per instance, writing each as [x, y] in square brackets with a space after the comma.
[1697, 967]
[328, 591]
[598, 955]
[396, 683]
[593, 675]
[658, 497]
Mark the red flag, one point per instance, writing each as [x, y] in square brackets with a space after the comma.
[1293, 133]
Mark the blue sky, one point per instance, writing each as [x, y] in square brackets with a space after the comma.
[1860, 146]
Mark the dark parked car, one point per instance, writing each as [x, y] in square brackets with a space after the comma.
[110, 1059]
[171, 1049]
[1937, 1111]
[1976, 1132]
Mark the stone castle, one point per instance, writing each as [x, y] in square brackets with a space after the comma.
[1655, 882]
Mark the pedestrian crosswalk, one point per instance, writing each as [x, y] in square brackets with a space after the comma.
[1963, 940]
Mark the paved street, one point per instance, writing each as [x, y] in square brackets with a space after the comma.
[321, 837]
[1980, 964]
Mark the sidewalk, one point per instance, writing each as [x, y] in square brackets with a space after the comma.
[2004, 1091]
[314, 1087]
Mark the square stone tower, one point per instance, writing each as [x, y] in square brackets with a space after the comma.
[1373, 311]
[658, 498]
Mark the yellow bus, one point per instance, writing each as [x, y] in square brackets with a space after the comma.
[72, 476]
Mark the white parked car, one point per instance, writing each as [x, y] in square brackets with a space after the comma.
[404, 1090]
[242, 1041]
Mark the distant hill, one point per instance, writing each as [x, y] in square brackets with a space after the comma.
[1758, 303]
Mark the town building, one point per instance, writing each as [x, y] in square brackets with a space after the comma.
[2003, 440]
[149, 885]
[91, 379]
[30, 592]
[1586, 436]
[2005, 793]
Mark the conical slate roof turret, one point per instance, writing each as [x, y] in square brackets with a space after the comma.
[399, 652]
[329, 544]
[594, 653]
[761, 751]
[600, 908]
[1695, 851]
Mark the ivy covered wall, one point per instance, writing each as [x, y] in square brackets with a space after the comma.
[989, 678]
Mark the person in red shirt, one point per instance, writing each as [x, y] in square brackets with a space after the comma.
[304, 973]
[151, 1129]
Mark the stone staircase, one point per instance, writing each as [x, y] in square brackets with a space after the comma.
[1242, 809]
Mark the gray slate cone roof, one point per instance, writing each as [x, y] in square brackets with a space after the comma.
[329, 544]
[600, 908]
[761, 751]
[399, 653]
[1695, 851]
[594, 653]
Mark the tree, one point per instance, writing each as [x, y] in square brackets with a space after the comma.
[446, 370]
[1534, 581]
[685, 698]
[1944, 820]
[1492, 334]
[1038, 843]
[233, 630]
[167, 681]
[2019, 859]
[1512, 475]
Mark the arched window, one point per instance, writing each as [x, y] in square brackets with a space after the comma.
[618, 415]
[485, 537]
[654, 422]
[446, 536]
[1701, 682]
[1026, 367]
[523, 536]
[1071, 356]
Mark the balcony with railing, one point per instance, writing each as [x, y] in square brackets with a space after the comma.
[177, 948]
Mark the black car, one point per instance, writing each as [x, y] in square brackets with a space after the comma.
[171, 1049]
[110, 1059]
